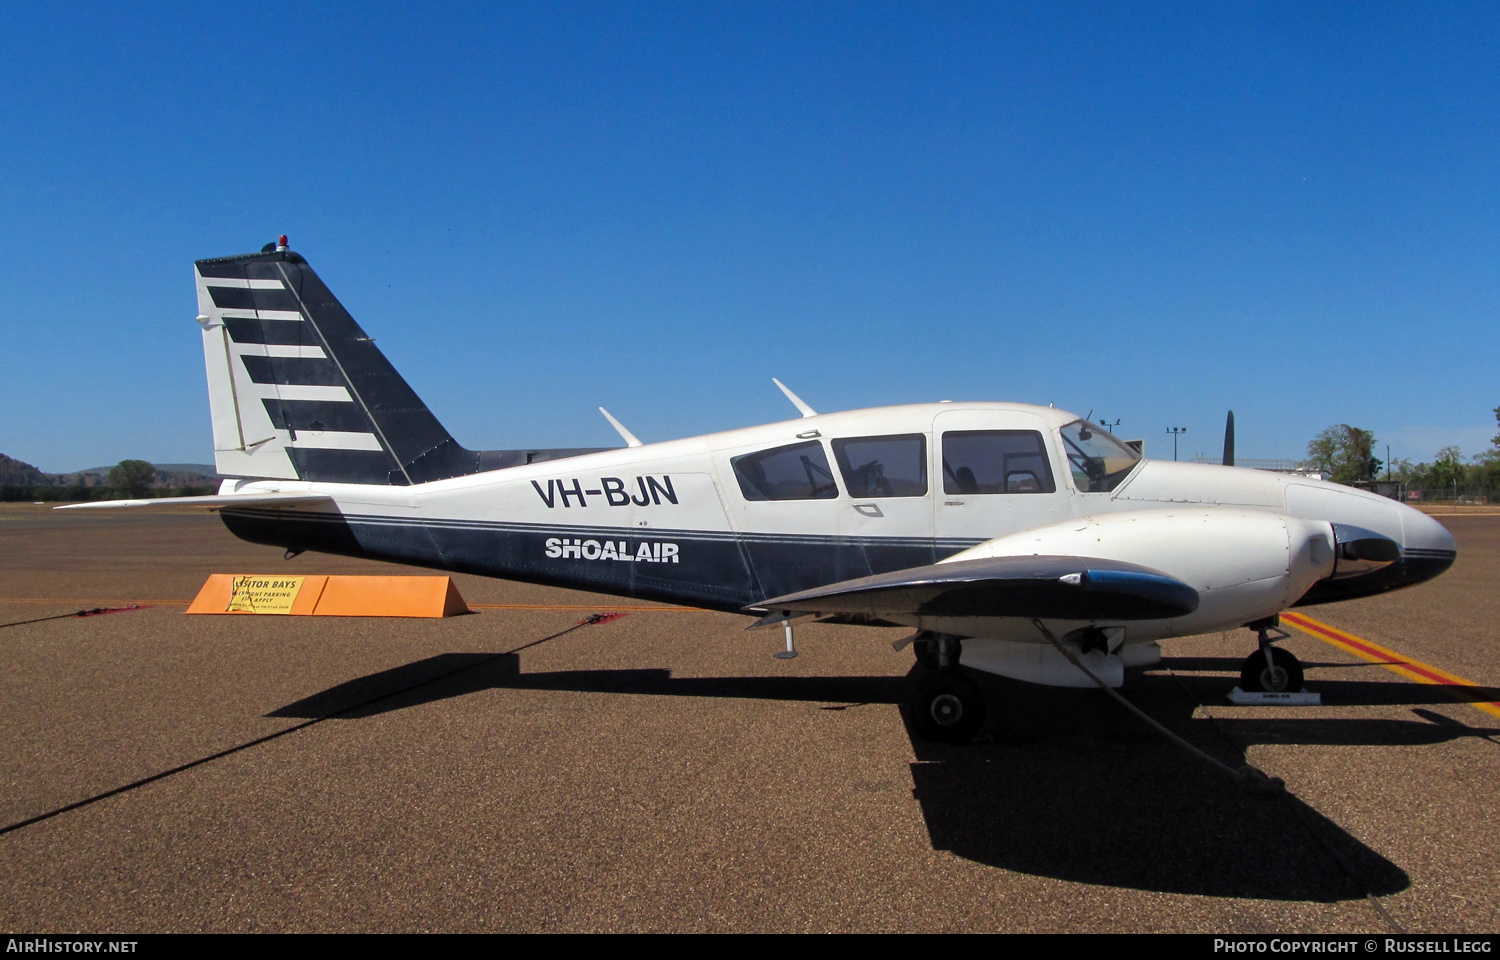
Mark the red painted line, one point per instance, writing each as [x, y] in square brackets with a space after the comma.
[1395, 662]
[1381, 655]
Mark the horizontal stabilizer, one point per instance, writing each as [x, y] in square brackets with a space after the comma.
[217, 502]
[1050, 588]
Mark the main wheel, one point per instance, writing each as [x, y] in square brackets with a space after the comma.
[948, 708]
[1283, 675]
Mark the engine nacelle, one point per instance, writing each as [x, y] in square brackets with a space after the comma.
[1246, 564]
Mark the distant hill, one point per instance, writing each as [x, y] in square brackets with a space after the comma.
[17, 471]
[201, 469]
[169, 476]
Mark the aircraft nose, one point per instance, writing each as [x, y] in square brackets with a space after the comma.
[1428, 547]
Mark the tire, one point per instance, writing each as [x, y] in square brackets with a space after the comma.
[1285, 676]
[948, 708]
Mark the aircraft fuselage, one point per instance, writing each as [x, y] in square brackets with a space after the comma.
[672, 521]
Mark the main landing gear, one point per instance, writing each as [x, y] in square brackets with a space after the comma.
[1270, 669]
[946, 706]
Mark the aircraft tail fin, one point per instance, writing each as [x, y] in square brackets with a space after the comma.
[297, 389]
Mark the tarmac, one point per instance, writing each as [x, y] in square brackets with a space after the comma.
[522, 769]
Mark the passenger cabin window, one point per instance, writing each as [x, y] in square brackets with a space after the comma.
[1098, 460]
[883, 466]
[996, 461]
[796, 472]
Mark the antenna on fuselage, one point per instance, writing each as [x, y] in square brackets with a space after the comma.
[630, 439]
[796, 400]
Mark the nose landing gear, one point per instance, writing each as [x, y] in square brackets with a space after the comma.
[1270, 669]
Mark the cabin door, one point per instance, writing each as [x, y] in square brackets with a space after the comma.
[994, 472]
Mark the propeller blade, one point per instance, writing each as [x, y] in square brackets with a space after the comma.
[1229, 440]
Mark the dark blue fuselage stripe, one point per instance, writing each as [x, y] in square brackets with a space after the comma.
[719, 572]
[579, 530]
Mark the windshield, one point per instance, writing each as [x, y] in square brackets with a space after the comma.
[1099, 462]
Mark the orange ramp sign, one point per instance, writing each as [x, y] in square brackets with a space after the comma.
[329, 596]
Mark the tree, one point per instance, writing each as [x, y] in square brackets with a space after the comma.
[1448, 468]
[1344, 454]
[132, 477]
[1402, 469]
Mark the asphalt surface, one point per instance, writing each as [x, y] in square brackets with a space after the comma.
[512, 770]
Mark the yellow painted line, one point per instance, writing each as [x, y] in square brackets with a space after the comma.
[1396, 663]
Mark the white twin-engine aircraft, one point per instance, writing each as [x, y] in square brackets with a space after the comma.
[1013, 539]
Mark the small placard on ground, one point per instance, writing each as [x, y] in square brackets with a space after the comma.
[263, 594]
[329, 596]
[1302, 698]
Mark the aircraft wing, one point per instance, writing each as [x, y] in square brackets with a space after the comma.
[217, 502]
[1065, 588]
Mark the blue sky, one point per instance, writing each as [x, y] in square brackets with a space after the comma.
[1154, 211]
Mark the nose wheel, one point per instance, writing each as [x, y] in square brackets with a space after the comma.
[1270, 669]
[1282, 675]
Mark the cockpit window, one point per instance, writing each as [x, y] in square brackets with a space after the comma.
[1099, 461]
[995, 461]
[796, 472]
[883, 466]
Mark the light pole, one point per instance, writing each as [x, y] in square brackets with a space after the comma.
[1176, 432]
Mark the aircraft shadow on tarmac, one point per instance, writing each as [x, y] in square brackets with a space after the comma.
[1070, 786]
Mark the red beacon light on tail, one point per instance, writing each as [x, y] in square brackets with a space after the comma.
[281, 243]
